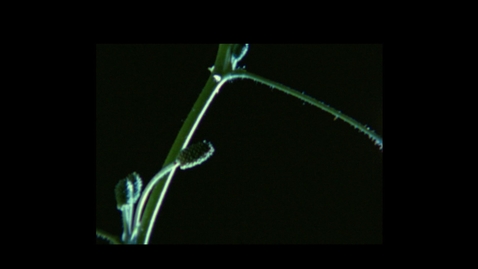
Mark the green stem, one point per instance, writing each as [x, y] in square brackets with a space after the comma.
[222, 66]
[243, 74]
[220, 74]
[139, 207]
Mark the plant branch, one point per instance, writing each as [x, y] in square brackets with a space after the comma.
[243, 74]
[222, 66]
[221, 72]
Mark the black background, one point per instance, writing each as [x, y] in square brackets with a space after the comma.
[282, 172]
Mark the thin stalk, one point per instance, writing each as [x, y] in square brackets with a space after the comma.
[127, 214]
[220, 74]
[145, 194]
[222, 66]
[243, 74]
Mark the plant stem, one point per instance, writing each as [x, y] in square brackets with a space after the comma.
[243, 74]
[139, 207]
[222, 66]
[220, 74]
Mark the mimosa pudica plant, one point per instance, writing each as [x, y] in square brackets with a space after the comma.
[139, 216]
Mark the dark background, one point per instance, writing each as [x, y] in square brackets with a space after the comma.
[282, 172]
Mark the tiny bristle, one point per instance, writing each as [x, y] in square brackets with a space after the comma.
[195, 154]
